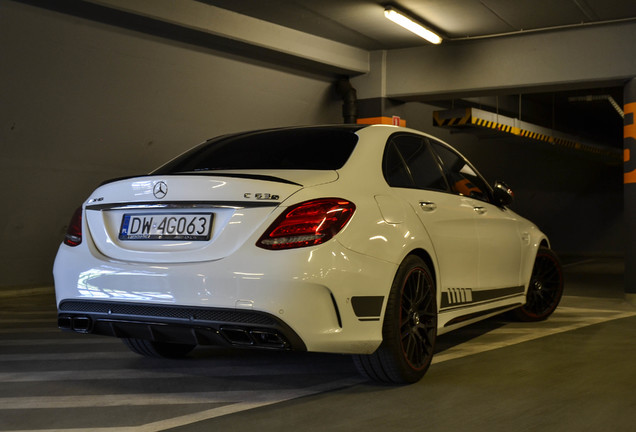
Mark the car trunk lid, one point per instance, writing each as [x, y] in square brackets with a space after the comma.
[189, 217]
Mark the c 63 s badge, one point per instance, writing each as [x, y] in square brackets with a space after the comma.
[261, 196]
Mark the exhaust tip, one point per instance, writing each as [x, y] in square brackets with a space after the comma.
[255, 338]
[81, 324]
[237, 336]
[269, 339]
[65, 323]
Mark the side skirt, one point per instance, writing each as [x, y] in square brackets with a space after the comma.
[453, 318]
[480, 315]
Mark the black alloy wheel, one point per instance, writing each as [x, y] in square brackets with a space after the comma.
[409, 330]
[545, 289]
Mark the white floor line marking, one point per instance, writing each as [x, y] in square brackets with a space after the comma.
[70, 341]
[56, 402]
[22, 330]
[51, 321]
[187, 371]
[142, 399]
[87, 375]
[485, 343]
[66, 356]
[257, 399]
[48, 313]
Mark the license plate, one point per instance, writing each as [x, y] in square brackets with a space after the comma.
[173, 226]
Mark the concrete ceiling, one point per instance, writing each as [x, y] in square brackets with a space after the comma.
[343, 32]
[361, 23]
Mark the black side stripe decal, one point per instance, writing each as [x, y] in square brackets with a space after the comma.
[459, 297]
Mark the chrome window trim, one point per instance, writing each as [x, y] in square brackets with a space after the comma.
[151, 205]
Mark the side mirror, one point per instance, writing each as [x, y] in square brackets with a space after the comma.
[503, 194]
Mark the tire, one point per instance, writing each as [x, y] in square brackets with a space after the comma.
[545, 289]
[409, 329]
[149, 348]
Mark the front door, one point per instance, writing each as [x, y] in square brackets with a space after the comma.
[500, 243]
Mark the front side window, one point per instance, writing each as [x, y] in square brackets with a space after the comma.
[462, 177]
[409, 163]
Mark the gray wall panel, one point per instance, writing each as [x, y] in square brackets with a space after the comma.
[83, 102]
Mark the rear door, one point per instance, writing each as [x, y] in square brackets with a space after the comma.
[413, 172]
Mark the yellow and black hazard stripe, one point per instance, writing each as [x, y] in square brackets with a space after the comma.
[470, 120]
[452, 121]
[493, 125]
[535, 135]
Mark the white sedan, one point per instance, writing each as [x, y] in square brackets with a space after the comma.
[367, 240]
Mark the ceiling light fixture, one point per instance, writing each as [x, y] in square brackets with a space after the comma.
[411, 25]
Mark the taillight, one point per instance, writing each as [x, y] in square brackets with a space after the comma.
[73, 235]
[307, 224]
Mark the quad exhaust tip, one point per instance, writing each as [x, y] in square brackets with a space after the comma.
[257, 338]
[78, 324]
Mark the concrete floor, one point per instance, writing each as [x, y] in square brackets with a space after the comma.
[574, 372]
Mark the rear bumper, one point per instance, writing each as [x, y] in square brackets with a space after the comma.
[177, 324]
[303, 299]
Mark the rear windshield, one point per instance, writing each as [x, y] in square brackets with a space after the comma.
[311, 148]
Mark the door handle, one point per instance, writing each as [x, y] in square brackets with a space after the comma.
[428, 206]
[480, 210]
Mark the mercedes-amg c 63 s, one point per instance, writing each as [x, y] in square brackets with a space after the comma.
[366, 240]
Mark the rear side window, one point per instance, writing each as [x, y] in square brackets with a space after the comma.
[320, 148]
[409, 163]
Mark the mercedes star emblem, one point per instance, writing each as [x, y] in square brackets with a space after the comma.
[160, 190]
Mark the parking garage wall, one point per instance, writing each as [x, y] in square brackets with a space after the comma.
[83, 101]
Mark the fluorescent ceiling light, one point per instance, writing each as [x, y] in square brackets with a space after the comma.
[409, 24]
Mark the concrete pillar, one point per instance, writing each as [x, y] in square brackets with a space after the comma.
[373, 105]
[629, 158]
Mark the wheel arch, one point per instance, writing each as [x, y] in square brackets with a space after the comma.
[426, 257]
[545, 288]
[404, 356]
[430, 263]
[528, 262]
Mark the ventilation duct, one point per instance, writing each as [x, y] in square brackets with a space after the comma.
[349, 100]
